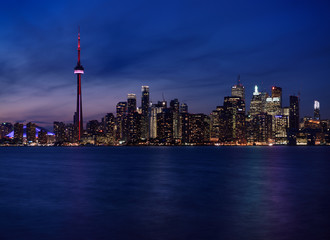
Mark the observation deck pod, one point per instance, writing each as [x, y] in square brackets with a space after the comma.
[79, 69]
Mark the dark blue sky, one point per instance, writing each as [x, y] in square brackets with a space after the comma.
[190, 50]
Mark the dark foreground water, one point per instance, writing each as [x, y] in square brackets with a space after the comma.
[165, 193]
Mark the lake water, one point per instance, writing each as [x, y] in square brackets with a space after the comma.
[165, 193]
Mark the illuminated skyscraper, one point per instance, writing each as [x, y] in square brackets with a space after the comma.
[277, 94]
[145, 112]
[79, 116]
[317, 115]
[131, 103]
[256, 103]
[234, 119]
[175, 110]
[238, 89]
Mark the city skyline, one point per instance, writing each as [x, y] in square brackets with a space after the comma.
[191, 58]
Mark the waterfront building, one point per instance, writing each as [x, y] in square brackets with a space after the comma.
[234, 119]
[294, 113]
[18, 132]
[31, 132]
[199, 128]
[42, 137]
[59, 131]
[281, 126]
[165, 126]
[175, 111]
[145, 112]
[5, 128]
[154, 110]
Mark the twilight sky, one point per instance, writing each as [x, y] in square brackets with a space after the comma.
[190, 50]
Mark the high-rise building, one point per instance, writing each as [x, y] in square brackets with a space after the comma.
[277, 93]
[261, 128]
[154, 110]
[42, 136]
[131, 103]
[145, 112]
[5, 128]
[109, 128]
[199, 128]
[59, 130]
[294, 113]
[281, 126]
[79, 116]
[238, 89]
[31, 132]
[93, 127]
[256, 105]
[18, 132]
[317, 115]
[121, 112]
[175, 110]
[234, 119]
[165, 126]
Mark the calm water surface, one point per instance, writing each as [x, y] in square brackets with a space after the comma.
[165, 193]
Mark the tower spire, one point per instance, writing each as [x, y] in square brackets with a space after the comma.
[79, 45]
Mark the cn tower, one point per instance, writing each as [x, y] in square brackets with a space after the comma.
[79, 116]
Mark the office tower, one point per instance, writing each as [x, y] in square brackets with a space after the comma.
[93, 127]
[214, 126]
[145, 112]
[109, 128]
[121, 112]
[277, 93]
[133, 127]
[18, 132]
[184, 123]
[256, 105]
[261, 129]
[317, 115]
[79, 116]
[121, 109]
[59, 131]
[165, 126]
[234, 118]
[183, 108]
[175, 110]
[199, 128]
[31, 132]
[154, 110]
[42, 137]
[70, 132]
[294, 113]
[238, 89]
[131, 103]
[281, 126]
[5, 128]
